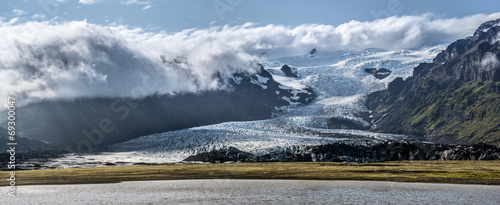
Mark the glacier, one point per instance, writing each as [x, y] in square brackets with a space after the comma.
[337, 77]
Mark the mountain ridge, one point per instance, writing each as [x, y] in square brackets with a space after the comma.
[454, 99]
[86, 124]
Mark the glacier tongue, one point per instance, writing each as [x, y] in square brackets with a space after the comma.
[338, 78]
[252, 136]
[340, 81]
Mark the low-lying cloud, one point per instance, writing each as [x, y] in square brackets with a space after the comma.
[69, 60]
[489, 62]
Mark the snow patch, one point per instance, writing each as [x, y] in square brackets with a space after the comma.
[261, 81]
[236, 79]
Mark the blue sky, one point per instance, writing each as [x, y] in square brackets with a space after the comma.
[176, 15]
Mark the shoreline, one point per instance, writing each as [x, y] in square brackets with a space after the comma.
[452, 172]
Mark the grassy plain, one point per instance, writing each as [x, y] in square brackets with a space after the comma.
[457, 172]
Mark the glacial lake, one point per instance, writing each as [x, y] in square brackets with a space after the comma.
[256, 192]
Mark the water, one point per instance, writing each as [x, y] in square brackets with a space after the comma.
[257, 192]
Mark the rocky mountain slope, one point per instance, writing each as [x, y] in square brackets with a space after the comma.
[454, 99]
[88, 123]
[24, 144]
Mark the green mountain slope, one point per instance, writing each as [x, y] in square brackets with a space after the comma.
[454, 99]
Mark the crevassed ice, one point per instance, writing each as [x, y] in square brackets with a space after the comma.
[339, 80]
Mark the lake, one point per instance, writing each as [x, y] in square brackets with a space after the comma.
[256, 192]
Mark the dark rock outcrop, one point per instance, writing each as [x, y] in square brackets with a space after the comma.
[341, 152]
[313, 51]
[230, 154]
[378, 73]
[288, 71]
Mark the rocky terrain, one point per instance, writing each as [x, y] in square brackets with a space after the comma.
[34, 159]
[378, 73]
[288, 71]
[343, 152]
[453, 99]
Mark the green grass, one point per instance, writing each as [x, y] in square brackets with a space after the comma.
[460, 172]
[468, 113]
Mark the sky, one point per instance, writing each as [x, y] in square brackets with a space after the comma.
[68, 49]
[177, 15]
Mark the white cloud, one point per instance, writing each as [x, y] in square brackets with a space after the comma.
[38, 17]
[130, 2]
[147, 7]
[19, 12]
[44, 60]
[11, 21]
[88, 1]
[39, 60]
[496, 40]
[489, 62]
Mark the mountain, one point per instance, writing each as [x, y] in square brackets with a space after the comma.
[338, 78]
[453, 99]
[341, 84]
[89, 123]
[23, 144]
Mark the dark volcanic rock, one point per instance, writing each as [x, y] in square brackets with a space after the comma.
[230, 154]
[378, 73]
[288, 71]
[341, 152]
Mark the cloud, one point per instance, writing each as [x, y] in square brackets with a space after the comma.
[88, 1]
[497, 39]
[489, 62]
[130, 2]
[19, 12]
[38, 17]
[12, 21]
[147, 4]
[41, 61]
[69, 60]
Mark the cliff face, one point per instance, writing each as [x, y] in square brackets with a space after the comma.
[454, 99]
